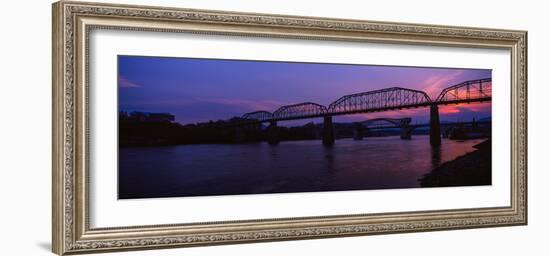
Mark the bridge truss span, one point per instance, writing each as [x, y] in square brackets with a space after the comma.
[479, 90]
[379, 100]
[299, 111]
[258, 115]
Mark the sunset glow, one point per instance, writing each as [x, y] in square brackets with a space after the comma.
[210, 127]
[199, 90]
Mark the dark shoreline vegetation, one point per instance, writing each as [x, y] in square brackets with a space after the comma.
[143, 134]
[471, 169]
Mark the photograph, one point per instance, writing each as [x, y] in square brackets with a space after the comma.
[198, 125]
[220, 127]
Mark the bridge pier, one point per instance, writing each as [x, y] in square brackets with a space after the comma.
[358, 131]
[273, 133]
[328, 131]
[406, 132]
[435, 126]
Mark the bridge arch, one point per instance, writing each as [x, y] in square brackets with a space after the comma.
[399, 122]
[402, 123]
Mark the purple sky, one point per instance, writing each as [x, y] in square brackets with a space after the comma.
[199, 90]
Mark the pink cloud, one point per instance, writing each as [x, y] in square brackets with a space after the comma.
[433, 85]
[454, 109]
[125, 83]
[449, 110]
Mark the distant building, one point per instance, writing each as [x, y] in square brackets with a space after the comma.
[137, 116]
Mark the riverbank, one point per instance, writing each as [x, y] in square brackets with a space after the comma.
[471, 169]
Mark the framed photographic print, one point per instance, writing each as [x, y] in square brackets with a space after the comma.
[179, 127]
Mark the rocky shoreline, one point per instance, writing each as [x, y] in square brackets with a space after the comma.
[472, 169]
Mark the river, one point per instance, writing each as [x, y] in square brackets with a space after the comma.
[291, 166]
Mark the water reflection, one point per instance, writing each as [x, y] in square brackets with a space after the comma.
[329, 157]
[297, 166]
[436, 156]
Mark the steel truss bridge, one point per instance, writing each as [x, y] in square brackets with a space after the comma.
[389, 99]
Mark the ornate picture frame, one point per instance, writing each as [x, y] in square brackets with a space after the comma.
[72, 23]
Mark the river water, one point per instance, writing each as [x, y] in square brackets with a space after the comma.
[291, 166]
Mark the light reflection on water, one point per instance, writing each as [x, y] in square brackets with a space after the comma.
[291, 166]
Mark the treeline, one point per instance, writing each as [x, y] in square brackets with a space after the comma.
[134, 133]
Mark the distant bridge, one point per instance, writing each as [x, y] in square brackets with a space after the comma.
[389, 99]
[405, 126]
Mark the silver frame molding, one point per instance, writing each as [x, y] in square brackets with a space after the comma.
[72, 22]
